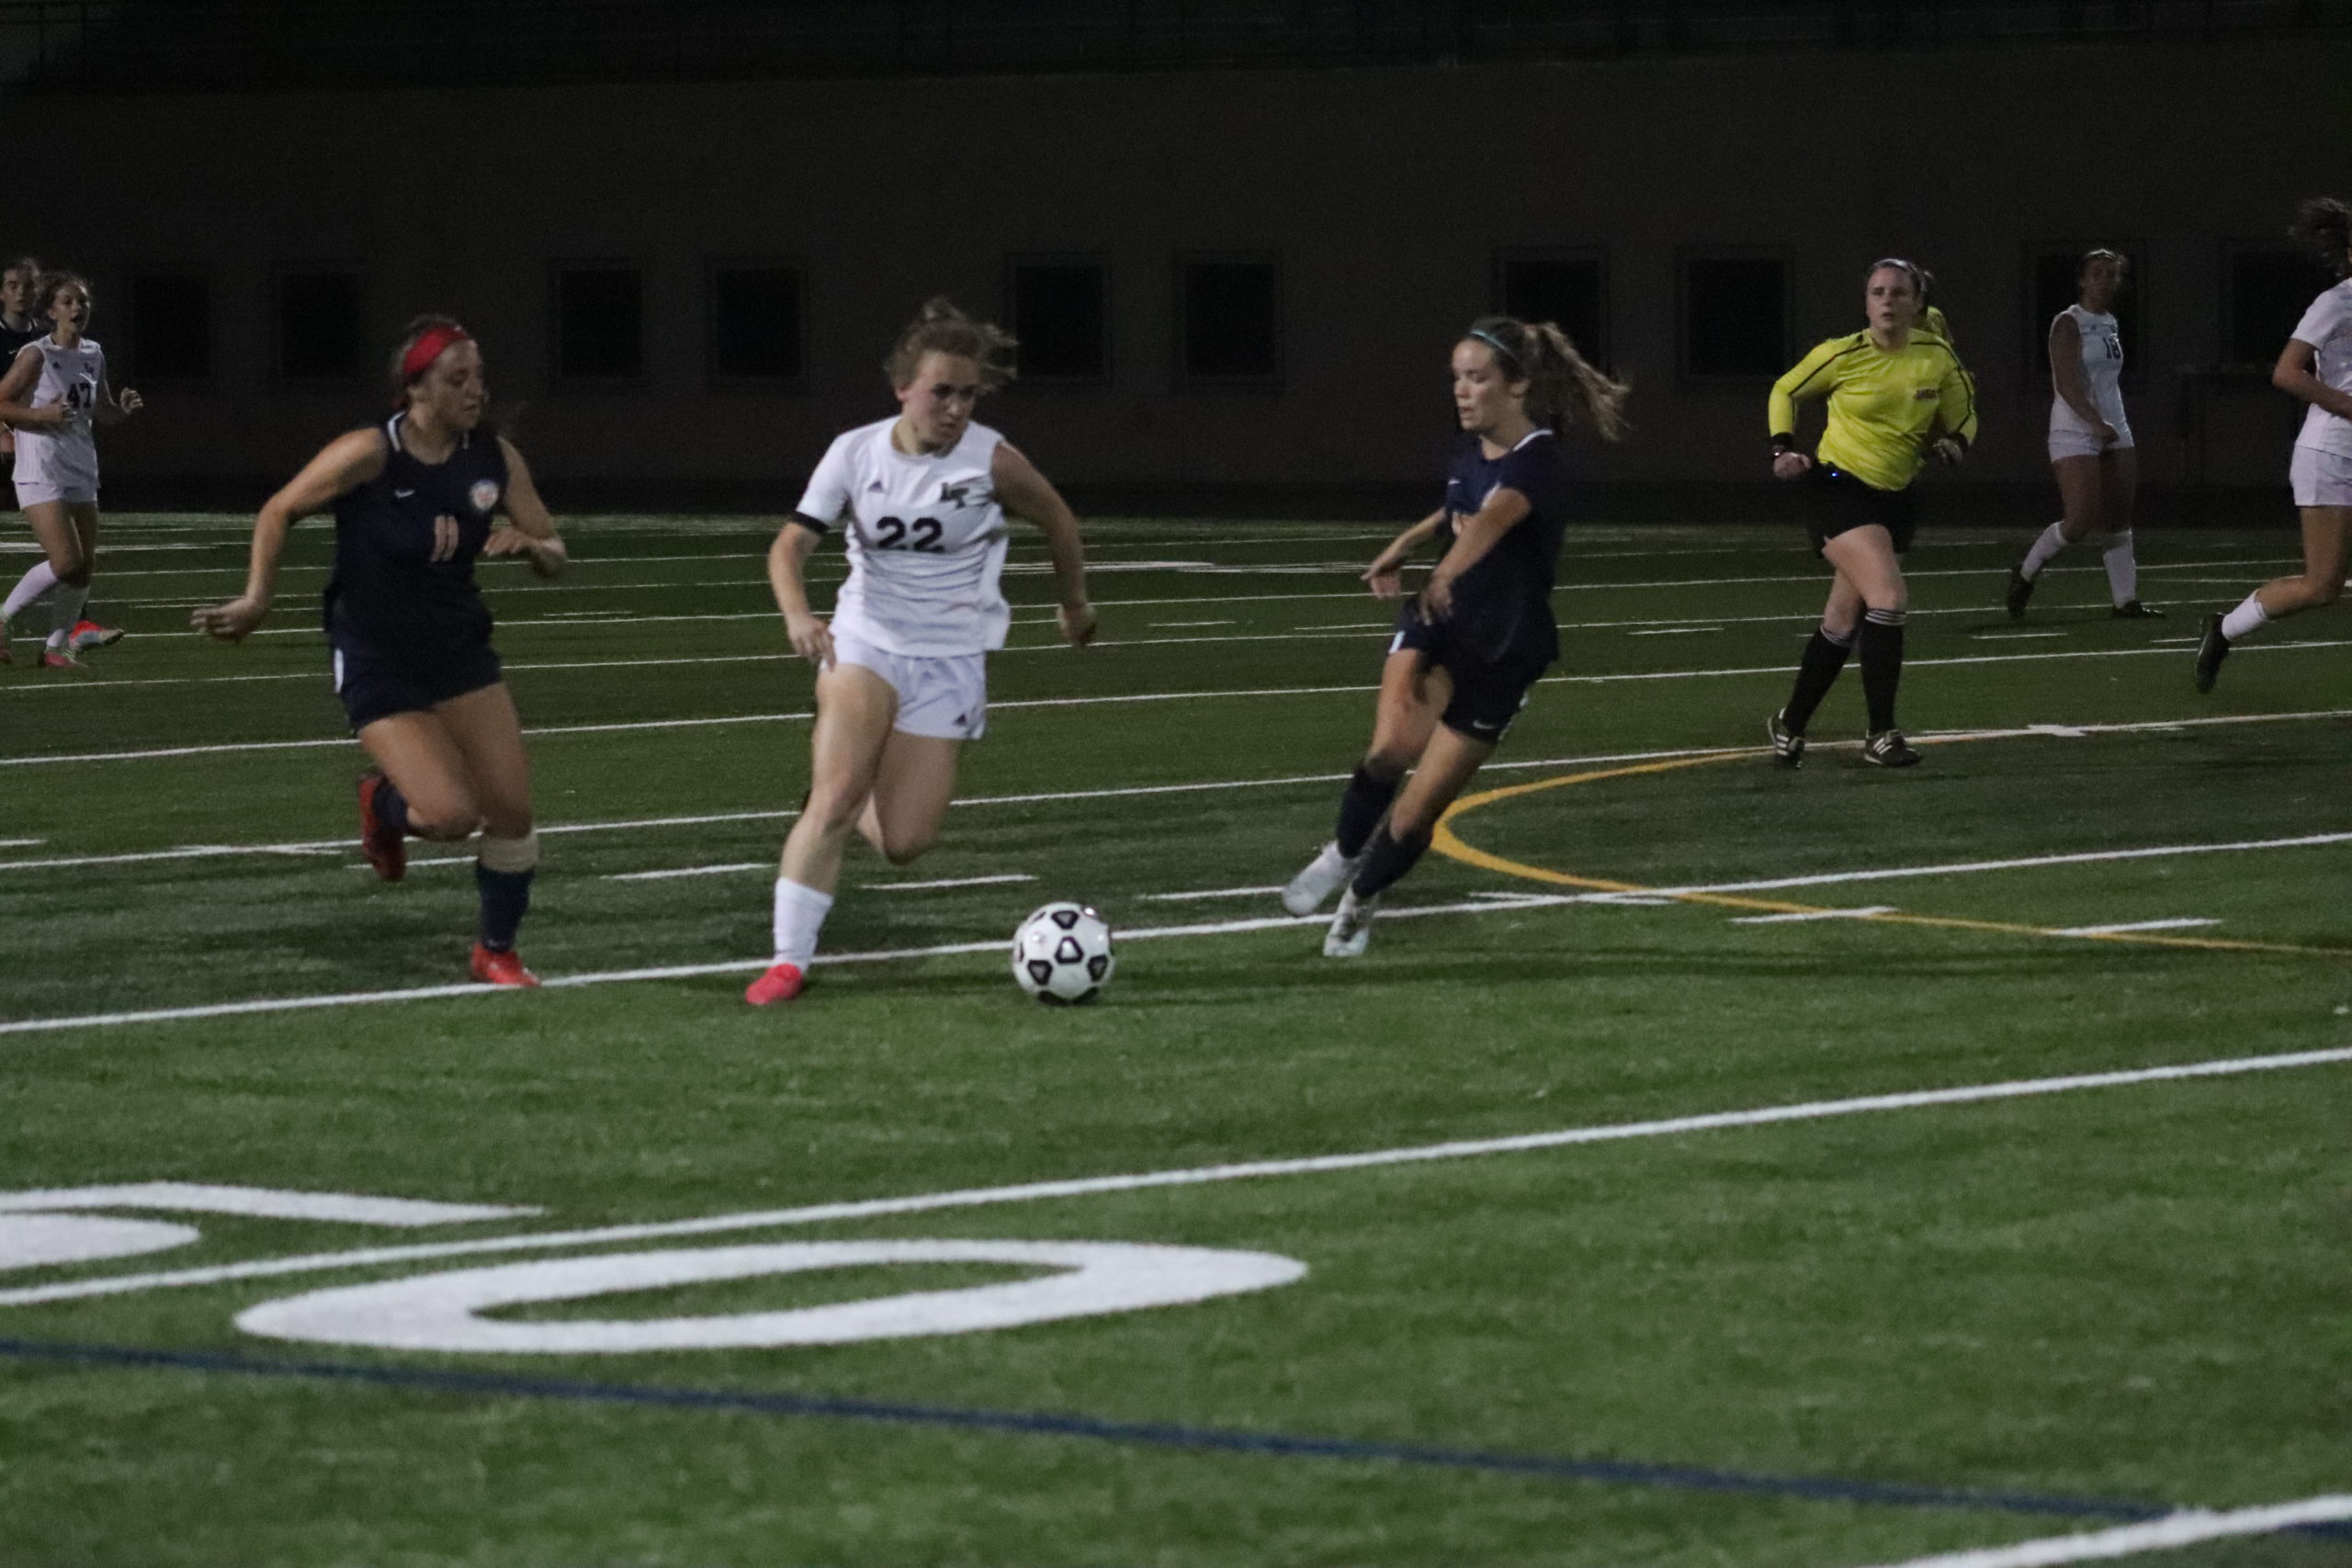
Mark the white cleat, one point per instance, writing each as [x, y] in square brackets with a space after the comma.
[1325, 875]
[1351, 930]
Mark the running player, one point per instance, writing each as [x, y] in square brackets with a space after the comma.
[903, 676]
[415, 502]
[1895, 394]
[2316, 365]
[1480, 632]
[2090, 440]
[54, 390]
[19, 324]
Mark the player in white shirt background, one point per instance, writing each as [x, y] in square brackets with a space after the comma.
[922, 500]
[2316, 366]
[2091, 450]
[53, 392]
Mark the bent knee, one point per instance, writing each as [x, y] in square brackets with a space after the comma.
[2326, 590]
[443, 822]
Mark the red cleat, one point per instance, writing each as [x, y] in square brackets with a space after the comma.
[385, 850]
[89, 634]
[501, 968]
[780, 984]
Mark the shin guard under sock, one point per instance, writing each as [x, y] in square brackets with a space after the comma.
[1882, 649]
[1386, 860]
[1361, 810]
[1825, 655]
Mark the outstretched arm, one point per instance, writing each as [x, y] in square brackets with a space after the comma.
[1029, 495]
[349, 462]
[530, 529]
[1385, 574]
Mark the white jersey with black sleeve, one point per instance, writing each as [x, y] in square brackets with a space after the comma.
[65, 454]
[2328, 327]
[926, 541]
[2101, 346]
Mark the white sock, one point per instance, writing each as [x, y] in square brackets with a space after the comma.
[799, 916]
[65, 610]
[29, 587]
[2243, 621]
[2052, 540]
[2123, 568]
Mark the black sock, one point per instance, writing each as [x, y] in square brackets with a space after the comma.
[1362, 807]
[391, 807]
[1823, 656]
[1882, 641]
[505, 897]
[1386, 860]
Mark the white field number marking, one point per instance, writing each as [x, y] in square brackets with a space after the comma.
[442, 1312]
[47, 1227]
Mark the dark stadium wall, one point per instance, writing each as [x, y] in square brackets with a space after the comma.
[1385, 194]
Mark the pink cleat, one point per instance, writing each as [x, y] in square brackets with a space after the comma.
[780, 984]
[89, 634]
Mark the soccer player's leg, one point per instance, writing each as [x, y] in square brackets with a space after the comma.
[420, 787]
[2325, 531]
[69, 573]
[2080, 493]
[1412, 695]
[856, 710]
[912, 789]
[1825, 655]
[1865, 557]
[85, 633]
[489, 736]
[1447, 764]
[2119, 492]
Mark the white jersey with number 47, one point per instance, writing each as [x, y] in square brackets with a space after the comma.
[66, 454]
[926, 541]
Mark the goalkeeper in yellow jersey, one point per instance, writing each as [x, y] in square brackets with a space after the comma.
[1897, 395]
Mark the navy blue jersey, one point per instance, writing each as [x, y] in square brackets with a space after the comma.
[404, 546]
[14, 338]
[1502, 605]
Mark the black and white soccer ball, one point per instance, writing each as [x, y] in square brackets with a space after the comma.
[1062, 954]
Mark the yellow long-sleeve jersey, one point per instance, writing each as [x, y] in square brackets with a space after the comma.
[1883, 408]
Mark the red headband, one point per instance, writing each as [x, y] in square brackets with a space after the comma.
[428, 348]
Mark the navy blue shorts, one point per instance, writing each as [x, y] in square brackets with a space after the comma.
[373, 686]
[1841, 502]
[1487, 694]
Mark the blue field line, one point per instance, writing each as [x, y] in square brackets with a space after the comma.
[1626, 1472]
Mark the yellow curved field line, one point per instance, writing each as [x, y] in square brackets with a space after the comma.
[1447, 843]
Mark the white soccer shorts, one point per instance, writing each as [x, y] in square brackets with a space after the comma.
[945, 699]
[2321, 479]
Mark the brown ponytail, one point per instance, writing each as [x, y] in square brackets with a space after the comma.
[1563, 387]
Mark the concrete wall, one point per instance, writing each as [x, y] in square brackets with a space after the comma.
[1386, 192]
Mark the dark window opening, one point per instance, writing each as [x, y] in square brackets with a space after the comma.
[318, 327]
[1232, 320]
[755, 322]
[1570, 290]
[170, 327]
[599, 324]
[1060, 312]
[1735, 316]
[2269, 291]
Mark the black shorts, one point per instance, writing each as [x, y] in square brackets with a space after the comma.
[1487, 694]
[376, 685]
[1841, 502]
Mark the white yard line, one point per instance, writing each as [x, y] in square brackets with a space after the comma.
[1208, 893]
[684, 871]
[2183, 923]
[2186, 1527]
[1197, 1176]
[1964, 868]
[1673, 631]
[945, 882]
[638, 824]
[1862, 913]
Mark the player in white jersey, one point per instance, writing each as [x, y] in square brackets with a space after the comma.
[2316, 366]
[2091, 441]
[53, 392]
[902, 679]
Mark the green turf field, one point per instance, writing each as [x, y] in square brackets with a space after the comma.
[1547, 1318]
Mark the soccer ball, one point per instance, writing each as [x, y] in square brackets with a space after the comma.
[1062, 954]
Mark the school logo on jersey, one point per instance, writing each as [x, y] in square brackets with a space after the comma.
[965, 493]
[1924, 395]
[484, 494]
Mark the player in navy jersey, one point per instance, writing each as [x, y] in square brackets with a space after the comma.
[415, 500]
[1480, 632]
[902, 665]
